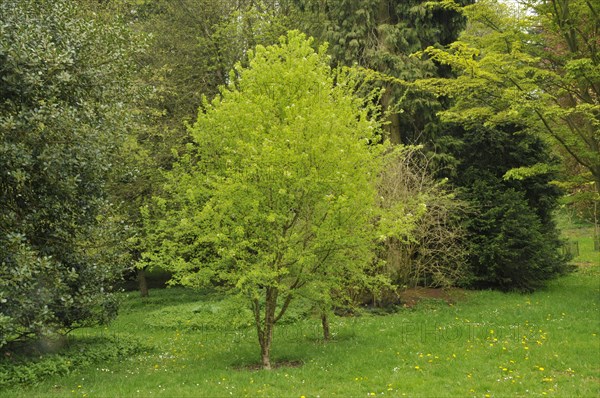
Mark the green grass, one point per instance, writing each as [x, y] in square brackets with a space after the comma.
[585, 237]
[582, 233]
[196, 344]
[490, 343]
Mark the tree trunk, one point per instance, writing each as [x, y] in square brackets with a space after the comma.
[265, 353]
[392, 118]
[143, 282]
[325, 323]
[264, 327]
[387, 98]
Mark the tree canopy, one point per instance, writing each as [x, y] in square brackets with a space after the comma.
[537, 69]
[293, 180]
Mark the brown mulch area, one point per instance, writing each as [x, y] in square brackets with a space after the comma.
[410, 297]
[274, 365]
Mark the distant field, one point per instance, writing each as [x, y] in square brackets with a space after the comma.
[583, 234]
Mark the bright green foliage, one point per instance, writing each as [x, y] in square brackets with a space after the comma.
[276, 196]
[63, 95]
[538, 69]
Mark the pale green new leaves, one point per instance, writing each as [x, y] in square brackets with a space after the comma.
[290, 170]
[280, 185]
[537, 70]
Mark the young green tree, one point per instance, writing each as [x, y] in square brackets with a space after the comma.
[276, 195]
[65, 85]
[192, 46]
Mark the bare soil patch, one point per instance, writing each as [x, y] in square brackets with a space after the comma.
[412, 296]
[292, 363]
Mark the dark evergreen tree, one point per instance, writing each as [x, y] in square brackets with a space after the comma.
[514, 241]
[382, 35]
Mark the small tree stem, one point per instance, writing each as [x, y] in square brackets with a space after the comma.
[325, 323]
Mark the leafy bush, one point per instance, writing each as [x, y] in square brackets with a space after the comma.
[512, 249]
[63, 118]
[434, 252]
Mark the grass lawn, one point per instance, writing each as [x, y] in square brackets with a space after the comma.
[487, 344]
[583, 234]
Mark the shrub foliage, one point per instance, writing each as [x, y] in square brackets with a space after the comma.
[63, 115]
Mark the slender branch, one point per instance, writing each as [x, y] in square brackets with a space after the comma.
[256, 311]
[561, 140]
[553, 133]
[286, 303]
